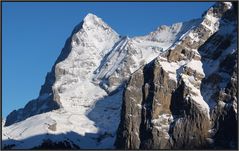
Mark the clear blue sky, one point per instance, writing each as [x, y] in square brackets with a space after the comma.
[33, 34]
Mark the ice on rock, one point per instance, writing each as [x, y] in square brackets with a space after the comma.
[99, 62]
[228, 4]
[74, 74]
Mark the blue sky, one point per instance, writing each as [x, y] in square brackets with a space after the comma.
[33, 34]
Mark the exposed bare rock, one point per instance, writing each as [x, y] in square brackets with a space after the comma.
[32, 108]
[49, 144]
[178, 85]
[187, 97]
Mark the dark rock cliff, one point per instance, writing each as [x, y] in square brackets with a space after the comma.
[187, 97]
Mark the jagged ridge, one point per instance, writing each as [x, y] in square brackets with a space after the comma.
[83, 91]
[165, 104]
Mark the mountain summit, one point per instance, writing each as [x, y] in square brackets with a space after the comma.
[174, 88]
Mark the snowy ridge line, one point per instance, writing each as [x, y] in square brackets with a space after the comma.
[117, 44]
[193, 64]
[98, 55]
[115, 52]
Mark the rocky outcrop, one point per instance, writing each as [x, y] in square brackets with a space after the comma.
[146, 99]
[3, 122]
[45, 101]
[187, 97]
[181, 89]
[158, 114]
[49, 144]
[223, 96]
[33, 107]
[96, 58]
[190, 128]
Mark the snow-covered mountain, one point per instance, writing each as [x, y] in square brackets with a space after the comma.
[79, 105]
[83, 91]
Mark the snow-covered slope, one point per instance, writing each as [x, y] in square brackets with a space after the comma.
[74, 74]
[95, 129]
[128, 55]
[80, 101]
[94, 63]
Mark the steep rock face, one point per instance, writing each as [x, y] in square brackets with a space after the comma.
[129, 54]
[168, 103]
[66, 69]
[145, 111]
[44, 102]
[164, 105]
[105, 60]
[159, 113]
[33, 107]
[219, 87]
[100, 64]
[189, 129]
[74, 74]
[83, 91]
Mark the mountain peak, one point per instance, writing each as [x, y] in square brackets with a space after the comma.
[218, 9]
[102, 82]
[91, 17]
[92, 20]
